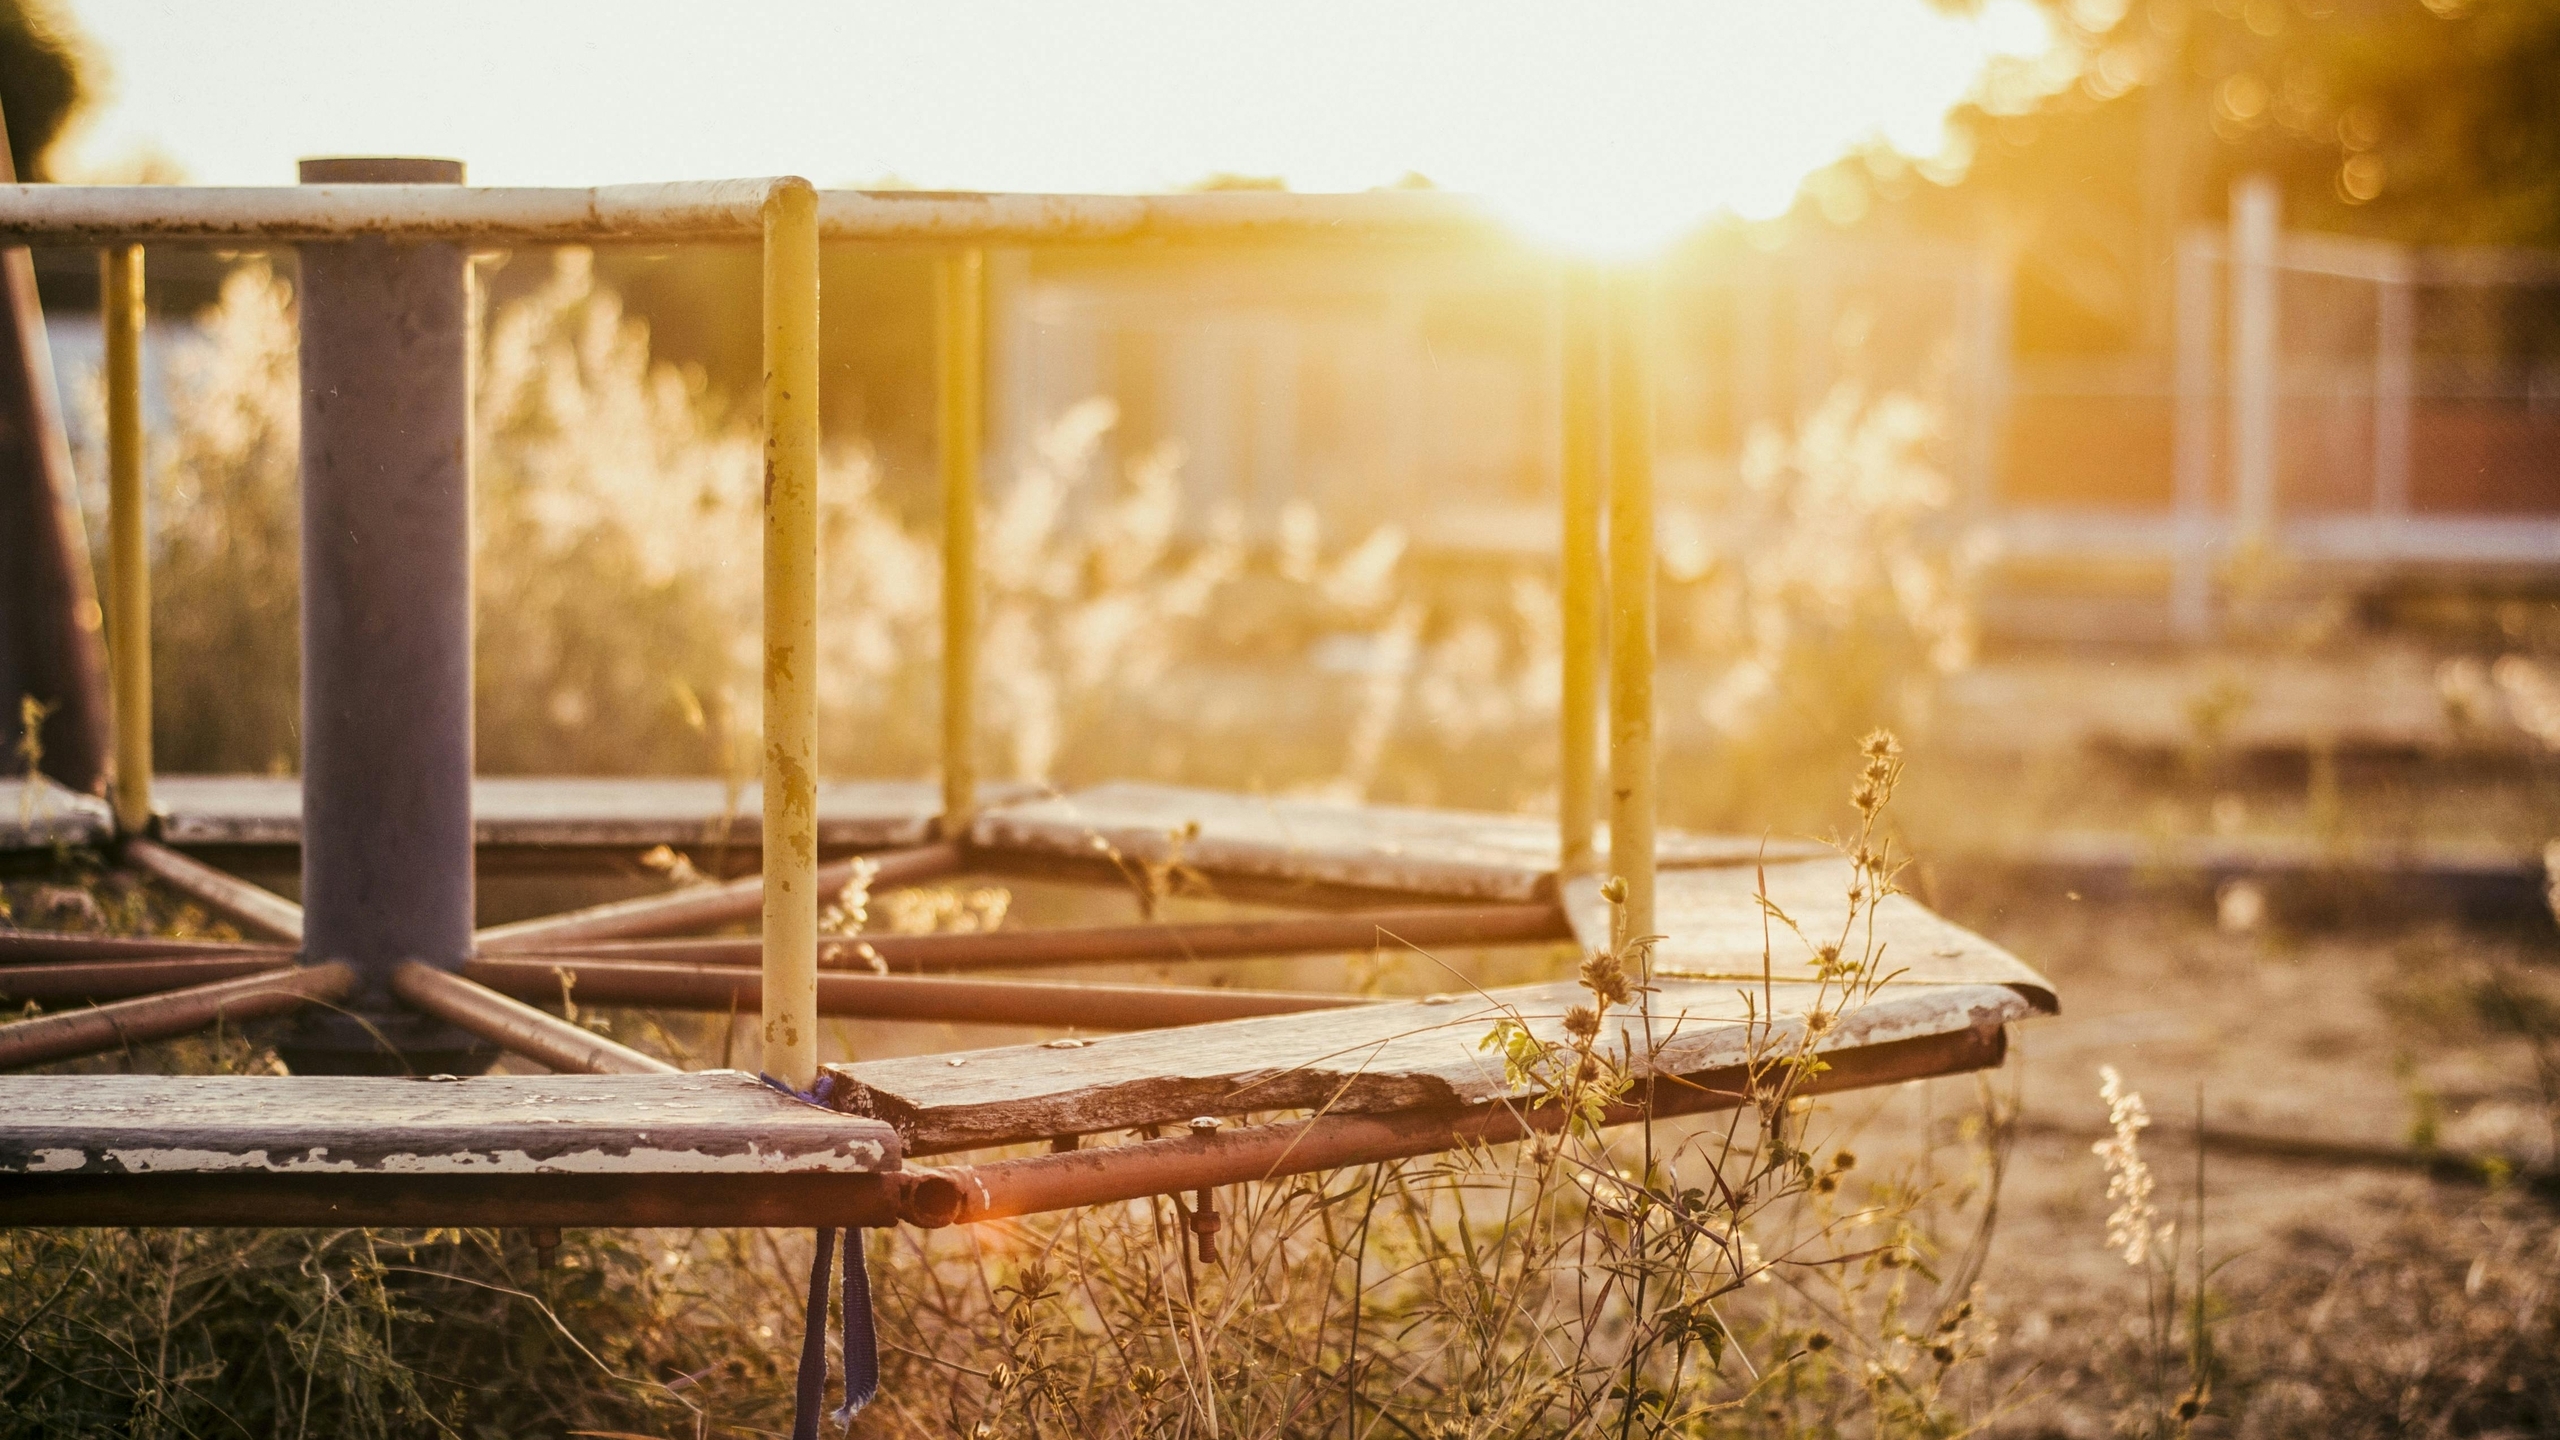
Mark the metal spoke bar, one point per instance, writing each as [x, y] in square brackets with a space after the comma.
[517, 1027]
[48, 1038]
[84, 980]
[261, 912]
[25, 946]
[1420, 928]
[706, 907]
[889, 997]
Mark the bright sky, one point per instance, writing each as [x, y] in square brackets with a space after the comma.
[1608, 124]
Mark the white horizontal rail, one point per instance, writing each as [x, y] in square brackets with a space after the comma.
[2522, 540]
[698, 210]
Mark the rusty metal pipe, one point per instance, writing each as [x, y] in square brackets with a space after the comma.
[1524, 924]
[965, 1194]
[48, 1038]
[706, 907]
[74, 981]
[494, 1200]
[517, 1027]
[259, 911]
[24, 946]
[889, 997]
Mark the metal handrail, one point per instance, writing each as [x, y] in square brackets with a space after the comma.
[706, 210]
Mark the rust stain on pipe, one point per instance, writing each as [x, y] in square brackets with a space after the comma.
[48, 1038]
[896, 997]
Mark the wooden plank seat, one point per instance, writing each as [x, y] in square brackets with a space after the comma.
[1426, 1055]
[714, 1148]
[1399, 849]
[574, 812]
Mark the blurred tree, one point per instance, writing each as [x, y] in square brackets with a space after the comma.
[2415, 120]
[51, 665]
[43, 81]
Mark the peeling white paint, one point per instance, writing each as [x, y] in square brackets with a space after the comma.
[669, 1125]
[853, 1157]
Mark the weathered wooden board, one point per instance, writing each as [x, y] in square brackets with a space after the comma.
[716, 1122]
[1456, 853]
[46, 814]
[576, 811]
[1713, 929]
[1419, 1055]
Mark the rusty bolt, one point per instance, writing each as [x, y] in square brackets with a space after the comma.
[1205, 1223]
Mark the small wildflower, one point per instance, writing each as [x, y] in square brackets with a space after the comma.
[1614, 890]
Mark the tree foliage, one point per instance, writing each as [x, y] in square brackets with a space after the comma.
[2425, 121]
[43, 81]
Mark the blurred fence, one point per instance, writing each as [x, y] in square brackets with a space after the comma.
[2355, 410]
[2360, 410]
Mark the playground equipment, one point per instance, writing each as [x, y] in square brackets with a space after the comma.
[395, 996]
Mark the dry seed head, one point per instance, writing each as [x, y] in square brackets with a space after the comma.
[1880, 745]
[1581, 1022]
[1605, 977]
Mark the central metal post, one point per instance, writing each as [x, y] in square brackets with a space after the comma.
[386, 629]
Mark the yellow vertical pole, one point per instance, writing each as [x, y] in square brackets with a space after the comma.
[1578, 762]
[791, 633]
[128, 554]
[960, 353]
[1631, 579]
